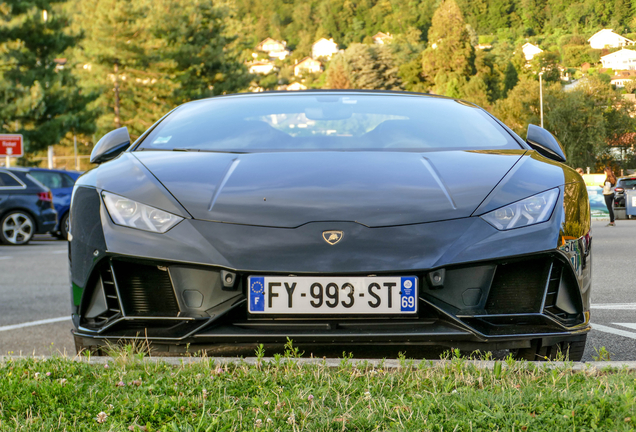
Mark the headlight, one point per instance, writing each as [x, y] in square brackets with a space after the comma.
[129, 213]
[529, 211]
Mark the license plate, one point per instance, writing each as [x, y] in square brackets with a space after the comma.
[332, 295]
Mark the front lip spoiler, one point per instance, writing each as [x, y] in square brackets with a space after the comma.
[450, 329]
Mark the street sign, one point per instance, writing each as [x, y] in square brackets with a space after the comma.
[11, 145]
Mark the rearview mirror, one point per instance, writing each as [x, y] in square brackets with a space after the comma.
[110, 146]
[545, 143]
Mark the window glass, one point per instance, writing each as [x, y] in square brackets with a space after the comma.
[627, 183]
[7, 180]
[328, 121]
[48, 179]
[67, 181]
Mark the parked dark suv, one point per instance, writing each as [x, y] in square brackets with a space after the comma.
[26, 207]
[619, 191]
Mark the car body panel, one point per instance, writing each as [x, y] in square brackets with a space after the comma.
[291, 189]
[398, 213]
[60, 182]
[628, 182]
[26, 199]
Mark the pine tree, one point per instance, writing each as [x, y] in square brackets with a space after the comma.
[144, 57]
[365, 67]
[449, 51]
[337, 75]
[40, 96]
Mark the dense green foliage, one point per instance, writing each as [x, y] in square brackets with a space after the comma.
[40, 97]
[141, 64]
[128, 394]
[129, 62]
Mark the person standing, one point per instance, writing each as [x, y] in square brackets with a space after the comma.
[608, 193]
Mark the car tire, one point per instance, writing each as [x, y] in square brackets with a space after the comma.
[571, 349]
[16, 228]
[62, 234]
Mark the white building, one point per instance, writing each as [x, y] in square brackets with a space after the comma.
[261, 67]
[324, 48]
[530, 50]
[307, 65]
[274, 48]
[381, 38]
[606, 38]
[295, 87]
[624, 59]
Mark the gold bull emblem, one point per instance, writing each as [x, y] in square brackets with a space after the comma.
[332, 237]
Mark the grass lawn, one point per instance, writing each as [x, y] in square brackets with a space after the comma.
[131, 393]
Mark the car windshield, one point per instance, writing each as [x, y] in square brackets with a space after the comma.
[328, 121]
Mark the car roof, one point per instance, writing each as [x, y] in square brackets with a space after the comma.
[335, 91]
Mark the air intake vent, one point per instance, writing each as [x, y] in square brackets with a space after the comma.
[553, 291]
[518, 287]
[563, 300]
[145, 290]
[104, 304]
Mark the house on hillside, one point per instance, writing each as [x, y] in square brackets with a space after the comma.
[292, 87]
[624, 59]
[622, 77]
[262, 67]
[381, 38]
[307, 65]
[530, 50]
[274, 48]
[606, 38]
[324, 48]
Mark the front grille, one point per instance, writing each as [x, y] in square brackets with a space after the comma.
[145, 290]
[518, 287]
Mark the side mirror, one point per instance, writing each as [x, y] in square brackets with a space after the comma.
[110, 146]
[545, 143]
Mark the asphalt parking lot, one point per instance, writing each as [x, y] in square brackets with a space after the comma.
[35, 306]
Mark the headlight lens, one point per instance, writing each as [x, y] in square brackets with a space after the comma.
[129, 213]
[529, 211]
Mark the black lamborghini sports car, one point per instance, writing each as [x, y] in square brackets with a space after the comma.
[332, 217]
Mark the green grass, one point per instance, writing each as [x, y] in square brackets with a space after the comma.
[134, 394]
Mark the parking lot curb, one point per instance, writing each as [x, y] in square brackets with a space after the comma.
[388, 364]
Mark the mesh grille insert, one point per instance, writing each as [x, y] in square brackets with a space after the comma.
[145, 290]
[518, 287]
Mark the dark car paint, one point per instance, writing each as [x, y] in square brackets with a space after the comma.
[27, 199]
[379, 239]
[291, 189]
[61, 196]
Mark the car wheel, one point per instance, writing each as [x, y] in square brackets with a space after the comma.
[571, 350]
[16, 228]
[62, 234]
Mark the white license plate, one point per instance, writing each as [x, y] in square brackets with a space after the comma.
[332, 295]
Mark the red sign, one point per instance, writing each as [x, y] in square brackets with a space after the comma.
[11, 145]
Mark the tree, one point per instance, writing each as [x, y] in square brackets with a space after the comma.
[449, 52]
[585, 120]
[365, 67]
[142, 65]
[40, 96]
[337, 75]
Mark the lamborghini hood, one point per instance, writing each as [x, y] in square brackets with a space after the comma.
[289, 189]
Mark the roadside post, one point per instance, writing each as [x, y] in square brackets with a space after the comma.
[10, 146]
